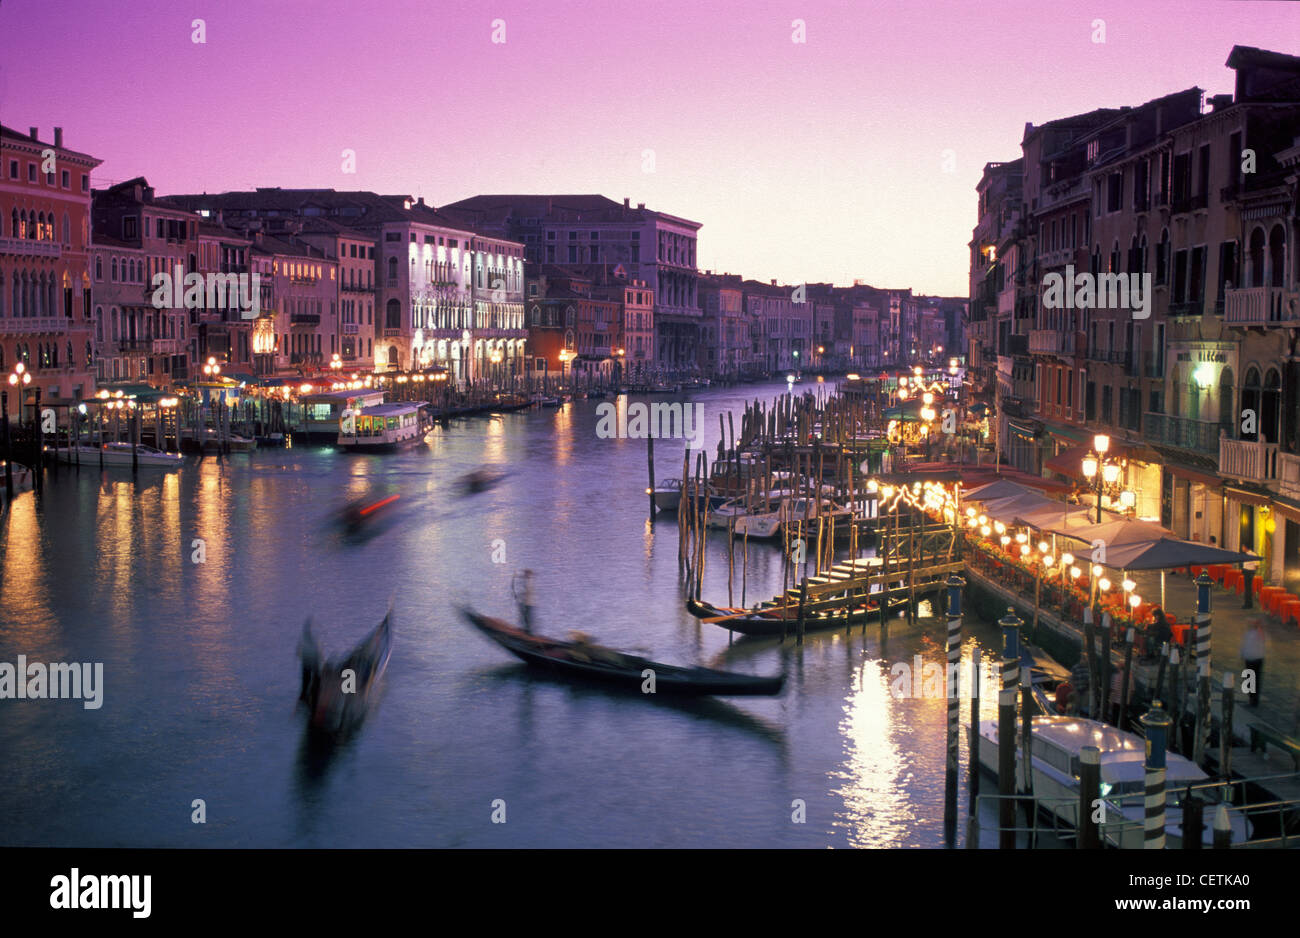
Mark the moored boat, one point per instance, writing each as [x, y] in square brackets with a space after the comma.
[1056, 745]
[584, 659]
[120, 454]
[770, 619]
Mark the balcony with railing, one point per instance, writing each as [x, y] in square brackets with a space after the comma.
[1248, 460]
[1190, 203]
[30, 247]
[1288, 475]
[168, 346]
[1258, 306]
[34, 325]
[304, 319]
[1051, 342]
[1199, 436]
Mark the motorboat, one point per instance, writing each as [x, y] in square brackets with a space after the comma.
[1056, 746]
[120, 454]
[789, 513]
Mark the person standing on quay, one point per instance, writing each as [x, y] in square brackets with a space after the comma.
[1248, 572]
[1254, 645]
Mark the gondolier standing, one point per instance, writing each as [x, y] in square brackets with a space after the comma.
[525, 600]
[1248, 571]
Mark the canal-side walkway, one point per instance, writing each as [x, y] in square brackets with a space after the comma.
[1279, 699]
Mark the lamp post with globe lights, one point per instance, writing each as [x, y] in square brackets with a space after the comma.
[19, 378]
[1105, 472]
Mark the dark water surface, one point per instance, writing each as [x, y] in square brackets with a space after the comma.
[201, 677]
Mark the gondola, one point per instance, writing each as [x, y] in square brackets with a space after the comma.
[770, 620]
[584, 659]
[334, 710]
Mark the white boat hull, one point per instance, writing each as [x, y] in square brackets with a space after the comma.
[120, 455]
[1059, 794]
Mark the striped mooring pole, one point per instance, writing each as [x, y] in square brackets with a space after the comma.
[1156, 723]
[1203, 583]
[955, 584]
[1089, 798]
[1011, 624]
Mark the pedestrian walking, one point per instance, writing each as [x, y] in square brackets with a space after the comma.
[1248, 571]
[1254, 646]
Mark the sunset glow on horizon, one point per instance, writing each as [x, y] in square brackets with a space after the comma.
[853, 154]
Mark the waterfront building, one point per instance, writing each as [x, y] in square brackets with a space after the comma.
[354, 251]
[1193, 382]
[121, 310]
[159, 334]
[576, 230]
[727, 344]
[446, 294]
[222, 330]
[46, 309]
[300, 285]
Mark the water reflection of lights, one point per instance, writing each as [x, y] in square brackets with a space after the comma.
[876, 810]
[23, 573]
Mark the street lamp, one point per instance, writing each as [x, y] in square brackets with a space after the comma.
[1103, 473]
[19, 376]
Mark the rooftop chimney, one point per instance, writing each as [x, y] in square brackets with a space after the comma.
[627, 203]
[33, 133]
[773, 281]
[640, 205]
[58, 136]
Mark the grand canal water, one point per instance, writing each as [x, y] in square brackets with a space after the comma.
[201, 676]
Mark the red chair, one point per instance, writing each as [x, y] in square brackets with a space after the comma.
[1180, 632]
[1217, 570]
[1290, 610]
[1233, 580]
[1257, 584]
[1195, 571]
[1271, 597]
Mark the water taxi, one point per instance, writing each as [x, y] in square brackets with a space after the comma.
[383, 427]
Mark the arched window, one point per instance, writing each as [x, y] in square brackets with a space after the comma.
[393, 315]
[113, 269]
[1250, 402]
[1228, 422]
[67, 229]
[392, 357]
[1276, 256]
[392, 271]
[1255, 259]
[1270, 405]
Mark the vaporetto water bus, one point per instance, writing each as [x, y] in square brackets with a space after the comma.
[384, 427]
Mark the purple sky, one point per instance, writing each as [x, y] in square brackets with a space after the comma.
[805, 162]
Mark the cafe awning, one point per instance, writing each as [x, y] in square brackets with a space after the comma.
[1167, 553]
[1000, 488]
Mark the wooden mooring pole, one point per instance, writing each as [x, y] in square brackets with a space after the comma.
[955, 584]
[1007, 729]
